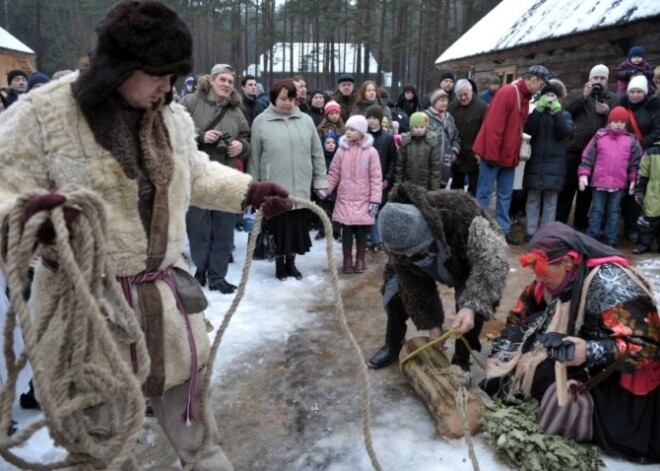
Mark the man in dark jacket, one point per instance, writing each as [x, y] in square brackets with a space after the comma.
[224, 134]
[469, 112]
[18, 82]
[384, 144]
[251, 106]
[589, 108]
[345, 95]
[438, 236]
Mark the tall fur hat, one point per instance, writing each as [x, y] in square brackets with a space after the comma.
[136, 35]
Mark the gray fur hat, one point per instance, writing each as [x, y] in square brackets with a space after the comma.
[403, 228]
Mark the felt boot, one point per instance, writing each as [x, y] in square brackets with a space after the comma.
[347, 249]
[360, 264]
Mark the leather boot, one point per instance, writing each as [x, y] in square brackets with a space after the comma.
[347, 249]
[395, 335]
[291, 269]
[280, 268]
[360, 264]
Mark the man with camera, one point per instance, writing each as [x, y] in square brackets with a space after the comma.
[224, 134]
[589, 108]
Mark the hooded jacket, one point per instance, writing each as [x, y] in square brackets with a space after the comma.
[419, 161]
[355, 172]
[202, 107]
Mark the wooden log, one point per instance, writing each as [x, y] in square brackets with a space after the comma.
[425, 374]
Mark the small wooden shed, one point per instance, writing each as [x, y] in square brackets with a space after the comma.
[566, 36]
[14, 55]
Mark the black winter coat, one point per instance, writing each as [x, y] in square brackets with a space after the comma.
[384, 144]
[546, 169]
[647, 116]
[585, 117]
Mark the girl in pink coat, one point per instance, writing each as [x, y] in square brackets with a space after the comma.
[355, 172]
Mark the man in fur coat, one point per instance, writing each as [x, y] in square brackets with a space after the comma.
[438, 236]
[114, 130]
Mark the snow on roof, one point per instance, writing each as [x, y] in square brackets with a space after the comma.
[7, 41]
[308, 58]
[514, 23]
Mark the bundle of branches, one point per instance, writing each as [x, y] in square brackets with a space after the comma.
[512, 432]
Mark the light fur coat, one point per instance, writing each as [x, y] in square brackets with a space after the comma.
[46, 143]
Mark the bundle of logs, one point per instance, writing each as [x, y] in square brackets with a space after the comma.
[430, 375]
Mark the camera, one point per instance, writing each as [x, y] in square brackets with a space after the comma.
[597, 91]
[222, 144]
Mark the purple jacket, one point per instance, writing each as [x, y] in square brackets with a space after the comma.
[356, 173]
[611, 158]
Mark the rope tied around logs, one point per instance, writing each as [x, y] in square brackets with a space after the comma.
[88, 310]
[459, 380]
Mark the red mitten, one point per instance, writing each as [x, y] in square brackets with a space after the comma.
[46, 202]
[260, 190]
[274, 205]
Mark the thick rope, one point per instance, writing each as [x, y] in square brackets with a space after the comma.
[366, 398]
[460, 380]
[88, 371]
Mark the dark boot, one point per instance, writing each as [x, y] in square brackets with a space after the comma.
[291, 269]
[280, 268]
[347, 249]
[395, 335]
[360, 264]
[200, 276]
[27, 400]
[645, 237]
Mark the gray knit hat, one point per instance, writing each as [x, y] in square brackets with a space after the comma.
[403, 229]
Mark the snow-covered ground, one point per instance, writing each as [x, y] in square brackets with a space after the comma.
[417, 445]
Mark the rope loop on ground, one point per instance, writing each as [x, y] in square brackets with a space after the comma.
[341, 317]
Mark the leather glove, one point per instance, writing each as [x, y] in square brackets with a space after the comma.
[260, 190]
[373, 209]
[542, 104]
[46, 202]
[558, 348]
[583, 182]
[555, 106]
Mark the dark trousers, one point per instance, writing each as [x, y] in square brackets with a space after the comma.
[211, 236]
[349, 232]
[568, 193]
[458, 181]
[396, 331]
[649, 229]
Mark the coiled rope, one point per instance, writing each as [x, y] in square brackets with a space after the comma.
[89, 370]
[341, 316]
[88, 308]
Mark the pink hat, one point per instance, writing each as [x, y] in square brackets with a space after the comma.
[332, 105]
[358, 122]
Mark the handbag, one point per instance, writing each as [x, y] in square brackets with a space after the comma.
[190, 292]
[265, 248]
[574, 420]
[525, 151]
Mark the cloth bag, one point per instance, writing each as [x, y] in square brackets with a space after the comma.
[574, 420]
[190, 292]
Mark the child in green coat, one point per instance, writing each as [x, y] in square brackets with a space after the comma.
[647, 194]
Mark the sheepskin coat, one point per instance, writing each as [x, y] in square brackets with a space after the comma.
[477, 256]
[47, 144]
[355, 172]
